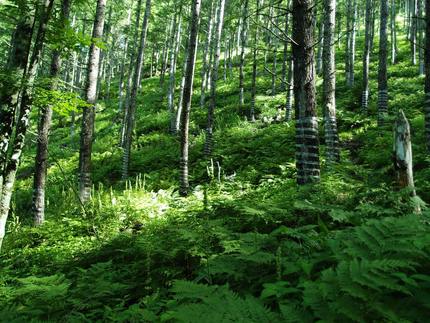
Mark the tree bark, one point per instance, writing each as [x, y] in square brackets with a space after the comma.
[136, 83]
[206, 52]
[9, 91]
[366, 56]
[23, 117]
[243, 36]
[87, 129]
[214, 79]
[382, 70]
[188, 90]
[329, 75]
[307, 143]
[402, 149]
[427, 72]
[45, 121]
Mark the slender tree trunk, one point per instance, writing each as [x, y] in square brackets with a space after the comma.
[243, 36]
[307, 143]
[420, 37]
[130, 73]
[427, 72]
[393, 33]
[188, 90]
[285, 53]
[382, 70]
[214, 79]
[251, 115]
[366, 56]
[351, 76]
[87, 129]
[329, 74]
[413, 39]
[348, 42]
[165, 56]
[172, 73]
[22, 125]
[123, 64]
[136, 83]
[274, 43]
[177, 121]
[320, 47]
[45, 121]
[206, 52]
[290, 90]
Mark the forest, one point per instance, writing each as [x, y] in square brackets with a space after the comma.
[214, 161]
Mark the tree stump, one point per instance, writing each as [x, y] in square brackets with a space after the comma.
[402, 150]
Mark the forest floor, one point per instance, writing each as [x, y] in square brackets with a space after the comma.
[248, 245]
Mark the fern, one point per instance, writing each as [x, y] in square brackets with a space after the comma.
[214, 304]
[376, 273]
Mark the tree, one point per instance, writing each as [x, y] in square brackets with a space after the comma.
[88, 116]
[24, 110]
[366, 56]
[307, 142]
[41, 162]
[382, 69]
[329, 75]
[188, 90]
[137, 77]
[243, 37]
[214, 79]
[427, 72]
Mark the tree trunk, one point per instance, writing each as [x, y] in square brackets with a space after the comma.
[130, 73]
[413, 39]
[290, 90]
[123, 64]
[243, 36]
[206, 52]
[9, 92]
[382, 70]
[188, 90]
[251, 115]
[366, 56]
[427, 72]
[45, 121]
[172, 73]
[91, 99]
[285, 54]
[402, 149]
[136, 83]
[23, 117]
[329, 74]
[393, 33]
[307, 143]
[214, 79]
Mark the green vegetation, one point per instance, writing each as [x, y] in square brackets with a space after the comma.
[251, 248]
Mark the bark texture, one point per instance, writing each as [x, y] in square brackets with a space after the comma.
[188, 90]
[329, 75]
[88, 117]
[307, 143]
